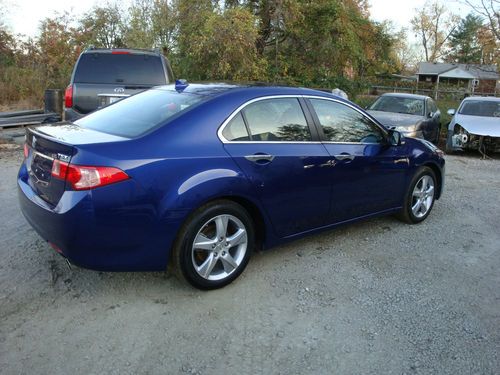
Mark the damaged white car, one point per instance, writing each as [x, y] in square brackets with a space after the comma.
[475, 126]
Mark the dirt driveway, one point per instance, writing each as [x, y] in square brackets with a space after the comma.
[379, 297]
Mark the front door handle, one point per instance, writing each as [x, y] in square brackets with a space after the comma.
[344, 157]
[256, 158]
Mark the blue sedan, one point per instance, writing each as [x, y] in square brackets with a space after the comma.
[199, 176]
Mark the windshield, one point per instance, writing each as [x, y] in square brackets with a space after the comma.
[140, 113]
[120, 68]
[483, 108]
[410, 106]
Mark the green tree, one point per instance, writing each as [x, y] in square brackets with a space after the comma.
[464, 42]
[490, 10]
[225, 47]
[103, 26]
[151, 24]
[190, 17]
[57, 49]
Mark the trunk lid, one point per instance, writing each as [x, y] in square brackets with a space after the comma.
[49, 143]
[42, 151]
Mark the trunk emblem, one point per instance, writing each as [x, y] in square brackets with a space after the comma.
[63, 157]
[119, 90]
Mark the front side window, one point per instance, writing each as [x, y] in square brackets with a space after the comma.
[341, 123]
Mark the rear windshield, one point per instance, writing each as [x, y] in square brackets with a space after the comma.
[118, 68]
[140, 113]
[483, 108]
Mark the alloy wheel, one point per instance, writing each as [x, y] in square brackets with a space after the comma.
[422, 196]
[219, 247]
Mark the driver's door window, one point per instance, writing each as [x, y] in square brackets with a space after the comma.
[343, 124]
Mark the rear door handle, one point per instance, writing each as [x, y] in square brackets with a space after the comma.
[259, 158]
[344, 157]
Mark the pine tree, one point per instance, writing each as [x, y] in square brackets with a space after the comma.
[464, 43]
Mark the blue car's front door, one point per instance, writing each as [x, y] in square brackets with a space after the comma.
[367, 174]
[278, 150]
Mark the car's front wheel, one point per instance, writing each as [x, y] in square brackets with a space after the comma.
[214, 245]
[420, 196]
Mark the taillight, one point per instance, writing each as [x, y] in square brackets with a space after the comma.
[87, 177]
[68, 97]
[26, 150]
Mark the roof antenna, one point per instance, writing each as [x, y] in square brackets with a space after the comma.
[181, 84]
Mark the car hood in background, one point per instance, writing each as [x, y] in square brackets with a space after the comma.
[480, 125]
[396, 119]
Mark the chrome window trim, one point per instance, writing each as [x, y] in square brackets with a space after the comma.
[241, 107]
[382, 129]
[350, 143]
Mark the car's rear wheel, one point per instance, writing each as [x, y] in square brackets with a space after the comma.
[214, 245]
[420, 196]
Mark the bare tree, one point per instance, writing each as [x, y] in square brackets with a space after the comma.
[490, 10]
[434, 26]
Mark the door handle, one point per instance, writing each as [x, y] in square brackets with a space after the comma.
[344, 157]
[259, 157]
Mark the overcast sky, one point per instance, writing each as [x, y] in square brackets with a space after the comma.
[24, 15]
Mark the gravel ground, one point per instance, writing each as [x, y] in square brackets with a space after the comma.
[378, 297]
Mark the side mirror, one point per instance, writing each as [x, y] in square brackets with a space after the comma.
[395, 138]
[451, 111]
[430, 114]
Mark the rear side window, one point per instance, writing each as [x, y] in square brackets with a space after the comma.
[236, 129]
[120, 68]
[269, 120]
[140, 113]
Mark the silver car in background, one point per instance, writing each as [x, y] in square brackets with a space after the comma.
[475, 126]
[415, 116]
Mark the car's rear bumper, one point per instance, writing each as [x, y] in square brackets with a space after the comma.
[92, 232]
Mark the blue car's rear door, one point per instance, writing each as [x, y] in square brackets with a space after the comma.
[275, 144]
[367, 174]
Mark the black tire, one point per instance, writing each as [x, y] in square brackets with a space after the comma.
[204, 220]
[406, 214]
